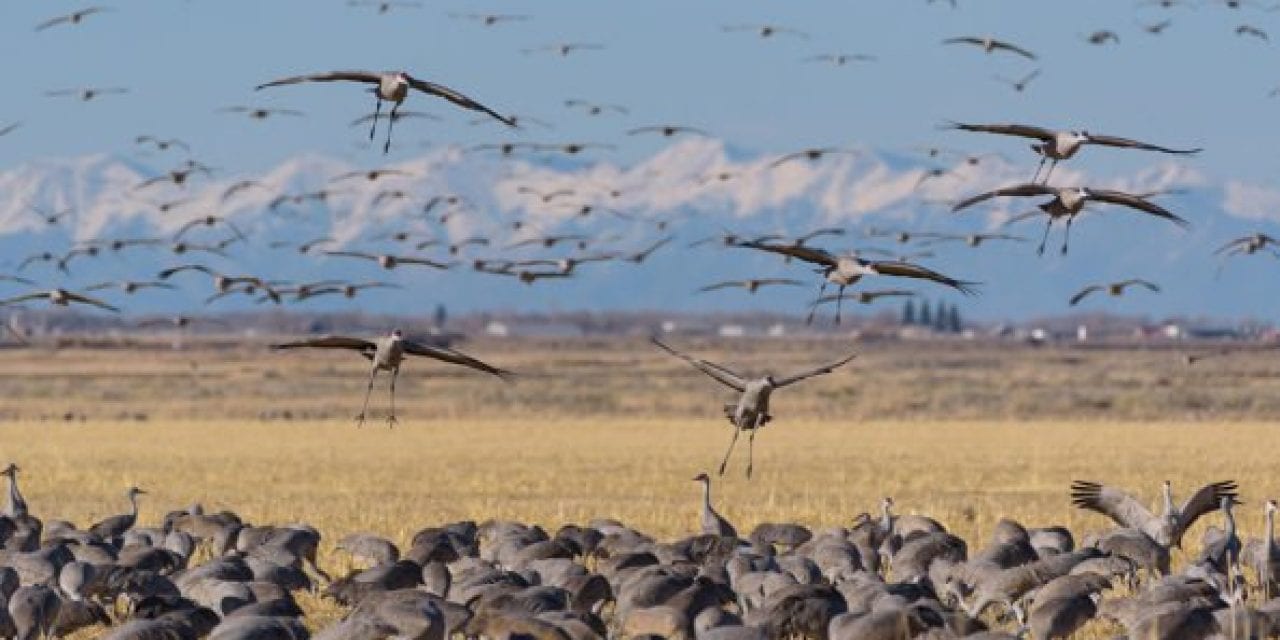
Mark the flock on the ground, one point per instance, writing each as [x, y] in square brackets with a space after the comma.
[888, 576]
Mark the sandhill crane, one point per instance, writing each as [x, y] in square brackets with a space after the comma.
[1166, 529]
[1264, 555]
[846, 270]
[10, 128]
[840, 59]
[1248, 245]
[864, 297]
[388, 261]
[490, 19]
[113, 527]
[17, 506]
[595, 108]
[1068, 202]
[1055, 146]
[1020, 84]
[712, 523]
[812, 155]
[1101, 37]
[751, 285]
[386, 354]
[72, 18]
[393, 87]
[1114, 288]
[385, 6]
[667, 130]
[563, 49]
[260, 113]
[162, 144]
[129, 286]
[765, 30]
[87, 94]
[990, 45]
[751, 412]
[60, 297]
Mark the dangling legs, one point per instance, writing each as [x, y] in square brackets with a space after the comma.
[391, 123]
[1066, 236]
[1047, 225]
[751, 448]
[377, 112]
[1039, 168]
[839, 303]
[724, 463]
[368, 390]
[391, 419]
[1050, 171]
[814, 309]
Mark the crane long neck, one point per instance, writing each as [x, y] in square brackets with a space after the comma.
[886, 518]
[17, 506]
[1168, 500]
[706, 495]
[1270, 540]
[1231, 521]
[133, 505]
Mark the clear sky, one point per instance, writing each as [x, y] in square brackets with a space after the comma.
[668, 61]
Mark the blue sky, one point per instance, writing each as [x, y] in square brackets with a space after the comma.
[1198, 84]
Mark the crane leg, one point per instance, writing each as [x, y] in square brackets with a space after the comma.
[368, 390]
[377, 111]
[1039, 168]
[391, 418]
[751, 449]
[839, 306]
[1045, 238]
[391, 123]
[814, 308]
[724, 463]
[1050, 171]
[1066, 236]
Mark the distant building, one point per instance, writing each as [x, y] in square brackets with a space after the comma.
[731, 331]
[497, 329]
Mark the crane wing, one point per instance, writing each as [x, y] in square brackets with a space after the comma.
[1134, 202]
[1206, 500]
[1116, 141]
[368, 77]
[81, 298]
[720, 374]
[825, 369]
[1084, 293]
[1006, 129]
[454, 357]
[457, 98]
[908, 270]
[1020, 190]
[365, 347]
[807, 254]
[1111, 502]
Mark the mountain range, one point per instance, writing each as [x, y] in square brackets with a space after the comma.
[692, 189]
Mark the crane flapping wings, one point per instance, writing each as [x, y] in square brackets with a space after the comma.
[720, 374]
[365, 347]
[823, 370]
[1111, 502]
[454, 357]
[1206, 500]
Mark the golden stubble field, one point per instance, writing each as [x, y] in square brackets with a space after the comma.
[621, 436]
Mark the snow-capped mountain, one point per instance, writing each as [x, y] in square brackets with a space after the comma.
[693, 189]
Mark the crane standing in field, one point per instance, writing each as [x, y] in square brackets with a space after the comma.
[386, 354]
[751, 412]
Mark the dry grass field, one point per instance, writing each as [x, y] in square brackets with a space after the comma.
[555, 449]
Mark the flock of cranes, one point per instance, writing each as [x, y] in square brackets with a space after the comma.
[891, 576]
[877, 575]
